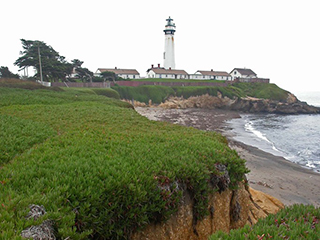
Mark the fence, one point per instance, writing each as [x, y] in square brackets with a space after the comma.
[253, 80]
[138, 83]
[80, 85]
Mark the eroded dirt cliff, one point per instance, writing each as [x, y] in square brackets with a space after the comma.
[229, 209]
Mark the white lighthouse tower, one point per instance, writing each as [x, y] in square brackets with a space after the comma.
[168, 54]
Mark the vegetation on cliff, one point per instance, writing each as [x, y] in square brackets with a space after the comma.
[159, 94]
[294, 222]
[262, 90]
[144, 93]
[100, 170]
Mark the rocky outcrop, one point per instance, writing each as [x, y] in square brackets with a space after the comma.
[203, 101]
[44, 231]
[252, 105]
[269, 204]
[272, 106]
[229, 209]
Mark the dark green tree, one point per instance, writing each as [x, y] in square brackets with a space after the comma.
[76, 63]
[84, 74]
[54, 66]
[110, 76]
[6, 73]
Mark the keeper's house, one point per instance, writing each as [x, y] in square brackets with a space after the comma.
[160, 72]
[242, 73]
[210, 75]
[123, 73]
[246, 75]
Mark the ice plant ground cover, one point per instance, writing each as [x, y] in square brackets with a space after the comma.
[294, 222]
[99, 169]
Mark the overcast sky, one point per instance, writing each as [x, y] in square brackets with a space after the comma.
[277, 39]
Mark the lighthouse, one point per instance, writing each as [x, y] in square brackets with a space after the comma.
[168, 55]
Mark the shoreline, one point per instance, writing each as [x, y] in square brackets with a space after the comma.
[274, 175]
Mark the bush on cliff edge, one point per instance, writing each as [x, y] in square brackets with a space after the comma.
[144, 93]
[262, 90]
[108, 92]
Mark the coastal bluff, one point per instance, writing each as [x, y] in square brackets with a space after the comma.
[248, 104]
[229, 209]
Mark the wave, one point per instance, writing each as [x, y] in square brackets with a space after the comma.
[294, 137]
[310, 157]
[249, 128]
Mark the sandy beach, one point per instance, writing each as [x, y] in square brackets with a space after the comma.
[287, 181]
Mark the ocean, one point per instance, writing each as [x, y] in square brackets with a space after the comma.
[294, 137]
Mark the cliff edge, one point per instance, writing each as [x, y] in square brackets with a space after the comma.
[248, 104]
[229, 209]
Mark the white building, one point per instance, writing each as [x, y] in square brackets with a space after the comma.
[243, 73]
[160, 72]
[210, 75]
[168, 55]
[247, 75]
[123, 73]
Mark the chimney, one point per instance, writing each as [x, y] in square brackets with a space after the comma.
[158, 65]
[115, 67]
[169, 68]
[211, 70]
[151, 65]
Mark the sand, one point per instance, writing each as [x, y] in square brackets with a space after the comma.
[287, 181]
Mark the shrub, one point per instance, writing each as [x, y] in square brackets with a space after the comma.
[187, 92]
[108, 92]
[97, 79]
[24, 84]
[263, 90]
[144, 93]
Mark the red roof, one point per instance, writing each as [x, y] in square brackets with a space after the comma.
[119, 71]
[245, 71]
[168, 71]
[214, 73]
